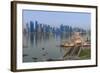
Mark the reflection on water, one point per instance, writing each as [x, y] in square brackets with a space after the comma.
[43, 47]
[38, 47]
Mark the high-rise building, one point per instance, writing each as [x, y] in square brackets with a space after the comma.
[31, 26]
[36, 26]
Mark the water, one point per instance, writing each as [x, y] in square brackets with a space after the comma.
[37, 48]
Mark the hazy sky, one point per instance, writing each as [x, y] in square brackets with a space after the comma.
[74, 19]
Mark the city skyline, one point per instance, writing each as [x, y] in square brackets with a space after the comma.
[55, 19]
[34, 26]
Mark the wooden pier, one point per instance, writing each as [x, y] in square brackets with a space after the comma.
[75, 45]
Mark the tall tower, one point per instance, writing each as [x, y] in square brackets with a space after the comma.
[31, 26]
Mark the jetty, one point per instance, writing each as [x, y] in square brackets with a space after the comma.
[74, 46]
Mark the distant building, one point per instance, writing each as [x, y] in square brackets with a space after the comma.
[31, 26]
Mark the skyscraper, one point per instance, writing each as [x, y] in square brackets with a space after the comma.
[31, 26]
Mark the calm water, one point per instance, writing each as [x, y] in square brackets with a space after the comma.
[36, 49]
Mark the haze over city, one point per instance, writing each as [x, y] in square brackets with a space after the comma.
[55, 19]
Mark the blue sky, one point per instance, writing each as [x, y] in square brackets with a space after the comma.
[74, 19]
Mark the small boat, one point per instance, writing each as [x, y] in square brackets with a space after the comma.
[24, 55]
